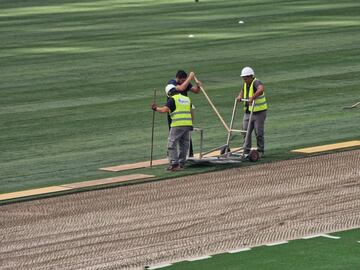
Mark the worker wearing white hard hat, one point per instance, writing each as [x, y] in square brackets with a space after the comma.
[178, 107]
[253, 90]
[247, 71]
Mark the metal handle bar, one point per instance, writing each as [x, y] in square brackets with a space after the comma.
[247, 100]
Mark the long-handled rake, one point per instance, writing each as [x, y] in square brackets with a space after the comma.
[152, 132]
[353, 106]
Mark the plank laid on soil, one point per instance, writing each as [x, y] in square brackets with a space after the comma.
[139, 165]
[327, 147]
[41, 191]
[32, 192]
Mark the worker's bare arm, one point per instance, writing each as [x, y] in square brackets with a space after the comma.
[163, 109]
[196, 89]
[185, 84]
[259, 92]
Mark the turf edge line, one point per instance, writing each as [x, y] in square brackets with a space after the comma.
[199, 258]
[277, 243]
[239, 250]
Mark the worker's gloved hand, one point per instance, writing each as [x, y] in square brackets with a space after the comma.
[238, 98]
[153, 107]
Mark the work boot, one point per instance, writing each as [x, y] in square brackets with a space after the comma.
[174, 168]
[182, 165]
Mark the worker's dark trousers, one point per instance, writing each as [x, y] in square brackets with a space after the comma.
[191, 151]
[257, 124]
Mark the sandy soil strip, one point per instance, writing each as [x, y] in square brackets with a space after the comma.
[177, 219]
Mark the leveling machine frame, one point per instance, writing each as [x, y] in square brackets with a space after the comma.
[225, 155]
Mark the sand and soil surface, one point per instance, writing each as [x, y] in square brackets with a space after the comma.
[166, 221]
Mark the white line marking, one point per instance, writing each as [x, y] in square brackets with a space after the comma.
[311, 236]
[358, 241]
[239, 250]
[275, 244]
[159, 266]
[199, 258]
[330, 236]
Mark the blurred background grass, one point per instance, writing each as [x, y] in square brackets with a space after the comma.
[77, 78]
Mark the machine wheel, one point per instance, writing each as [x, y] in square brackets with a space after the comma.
[224, 150]
[254, 156]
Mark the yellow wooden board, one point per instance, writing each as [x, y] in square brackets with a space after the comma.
[327, 147]
[71, 186]
[32, 192]
[106, 181]
[138, 165]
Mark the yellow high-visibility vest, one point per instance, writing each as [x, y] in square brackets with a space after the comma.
[181, 117]
[260, 101]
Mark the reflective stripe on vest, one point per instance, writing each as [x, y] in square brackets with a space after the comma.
[260, 101]
[181, 117]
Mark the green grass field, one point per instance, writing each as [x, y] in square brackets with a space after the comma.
[77, 78]
[311, 254]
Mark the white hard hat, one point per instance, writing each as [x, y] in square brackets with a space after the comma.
[169, 88]
[247, 71]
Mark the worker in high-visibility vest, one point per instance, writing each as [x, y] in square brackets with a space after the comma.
[253, 89]
[183, 86]
[180, 109]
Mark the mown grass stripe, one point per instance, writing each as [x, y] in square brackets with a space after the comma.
[79, 78]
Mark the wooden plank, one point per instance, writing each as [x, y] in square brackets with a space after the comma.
[327, 147]
[32, 192]
[106, 181]
[139, 165]
[40, 191]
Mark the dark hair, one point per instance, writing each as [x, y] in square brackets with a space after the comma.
[181, 74]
